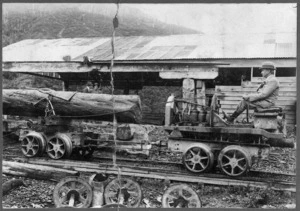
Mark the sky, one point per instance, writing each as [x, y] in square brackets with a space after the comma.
[206, 18]
[228, 18]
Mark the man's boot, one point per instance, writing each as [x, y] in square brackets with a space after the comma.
[230, 119]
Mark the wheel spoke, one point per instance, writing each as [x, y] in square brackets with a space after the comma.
[81, 190]
[240, 167]
[238, 160]
[226, 157]
[199, 151]
[62, 151]
[234, 154]
[232, 171]
[227, 164]
[27, 139]
[25, 149]
[194, 165]
[30, 139]
[203, 158]
[180, 192]
[73, 185]
[33, 151]
[82, 199]
[201, 164]
[193, 153]
[127, 185]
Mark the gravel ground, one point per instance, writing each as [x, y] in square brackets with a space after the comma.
[38, 193]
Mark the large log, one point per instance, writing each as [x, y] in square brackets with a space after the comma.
[36, 171]
[72, 104]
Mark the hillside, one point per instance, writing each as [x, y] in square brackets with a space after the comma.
[72, 23]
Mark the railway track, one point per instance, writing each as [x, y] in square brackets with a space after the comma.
[160, 173]
[252, 174]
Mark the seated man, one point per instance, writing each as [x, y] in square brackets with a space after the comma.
[88, 88]
[266, 96]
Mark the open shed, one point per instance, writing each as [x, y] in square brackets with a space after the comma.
[164, 61]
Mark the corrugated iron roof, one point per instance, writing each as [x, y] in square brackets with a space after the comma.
[195, 46]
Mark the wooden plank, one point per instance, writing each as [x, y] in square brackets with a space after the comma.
[285, 108]
[248, 89]
[229, 98]
[280, 79]
[240, 94]
[256, 85]
[279, 103]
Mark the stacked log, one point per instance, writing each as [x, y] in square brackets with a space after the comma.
[32, 102]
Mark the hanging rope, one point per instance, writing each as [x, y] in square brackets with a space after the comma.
[115, 25]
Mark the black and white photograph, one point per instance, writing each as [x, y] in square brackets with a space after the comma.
[149, 105]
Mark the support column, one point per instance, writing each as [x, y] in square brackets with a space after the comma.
[200, 93]
[188, 93]
[65, 85]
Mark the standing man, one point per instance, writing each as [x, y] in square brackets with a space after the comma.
[266, 96]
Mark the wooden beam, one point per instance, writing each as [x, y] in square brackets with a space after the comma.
[44, 76]
[200, 73]
[52, 67]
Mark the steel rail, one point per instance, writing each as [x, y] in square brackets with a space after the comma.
[180, 164]
[89, 167]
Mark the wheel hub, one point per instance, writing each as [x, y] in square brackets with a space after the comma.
[56, 148]
[233, 162]
[196, 158]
